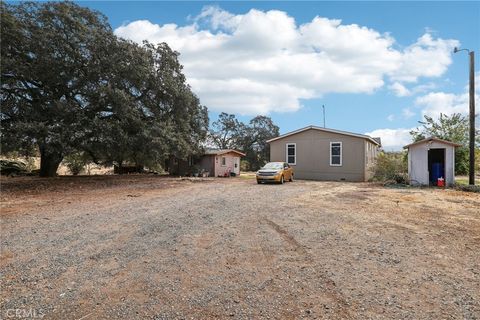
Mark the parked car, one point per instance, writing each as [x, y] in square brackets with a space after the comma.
[275, 172]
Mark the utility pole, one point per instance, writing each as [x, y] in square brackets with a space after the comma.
[471, 178]
[323, 107]
[471, 173]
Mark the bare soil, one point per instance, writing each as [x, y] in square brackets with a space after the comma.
[154, 247]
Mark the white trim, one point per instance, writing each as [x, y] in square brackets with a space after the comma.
[346, 133]
[286, 153]
[224, 165]
[341, 154]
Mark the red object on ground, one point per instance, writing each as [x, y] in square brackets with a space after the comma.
[441, 182]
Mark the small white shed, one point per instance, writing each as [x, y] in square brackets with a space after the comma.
[430, 159]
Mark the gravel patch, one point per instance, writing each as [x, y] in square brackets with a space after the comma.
[165, 248]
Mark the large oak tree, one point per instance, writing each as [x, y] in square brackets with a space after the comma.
[69, 84]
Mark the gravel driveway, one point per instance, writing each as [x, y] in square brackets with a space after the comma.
[163, 248]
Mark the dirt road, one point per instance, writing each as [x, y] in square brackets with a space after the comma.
[162, 248]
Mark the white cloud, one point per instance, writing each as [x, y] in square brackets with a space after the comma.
[391, 117]
[392, 139]
[407, 113]
[431, 104]
[263, 61]
[399, 89]
[417, 60]
[434, 103]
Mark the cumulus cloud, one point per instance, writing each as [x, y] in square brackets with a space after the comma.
[263, 61]
[399, 89]
[393, 139]
[434, 103]
[416, 60]
[431, 104]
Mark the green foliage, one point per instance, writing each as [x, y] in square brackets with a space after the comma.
[391, 166]
[8, 167]
[76, 162]
[50, 59]
[453, 128]
[70, 85]
[254, 143]
[251, 138]
[227, 131]
[153, 115]
[244, 165]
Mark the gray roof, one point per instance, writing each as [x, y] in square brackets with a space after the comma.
[358, 135]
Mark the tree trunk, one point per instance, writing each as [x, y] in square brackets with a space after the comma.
[49, 162]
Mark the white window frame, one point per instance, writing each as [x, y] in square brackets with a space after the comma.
[224, 161]
[286, 153]
[341, 154]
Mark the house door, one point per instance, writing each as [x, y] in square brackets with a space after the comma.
[436, 165]
[236, 165]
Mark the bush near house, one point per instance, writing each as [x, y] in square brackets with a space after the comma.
[391, 166]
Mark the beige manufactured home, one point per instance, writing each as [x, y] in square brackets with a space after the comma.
[317, 153]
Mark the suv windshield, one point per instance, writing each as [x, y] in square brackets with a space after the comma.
[273, 165]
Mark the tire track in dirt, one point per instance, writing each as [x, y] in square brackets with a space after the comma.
[287, 237]
[331, 287]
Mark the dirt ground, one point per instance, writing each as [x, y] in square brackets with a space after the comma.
[153, 247]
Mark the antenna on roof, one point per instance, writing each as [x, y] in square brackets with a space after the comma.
[323, 107]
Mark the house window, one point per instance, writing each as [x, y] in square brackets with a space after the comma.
[335, 153]
[291, 153]
[224, 161]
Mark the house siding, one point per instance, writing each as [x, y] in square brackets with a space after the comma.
[313, 155]
[371, 153]
[231, 158]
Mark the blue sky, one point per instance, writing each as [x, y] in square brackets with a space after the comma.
[377, 71]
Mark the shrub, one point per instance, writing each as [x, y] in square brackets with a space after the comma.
[391, 166]
[468, 188]
[76, 162]
[244, 165]
[11, 167]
